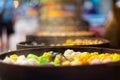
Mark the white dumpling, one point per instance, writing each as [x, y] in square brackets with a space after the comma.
[68, 53]
[7, 60]
[22, 60]
[33, 62]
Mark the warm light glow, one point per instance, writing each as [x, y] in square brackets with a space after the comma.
[16, 3]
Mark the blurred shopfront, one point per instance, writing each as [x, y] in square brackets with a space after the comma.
[93, 11]
[24, 22]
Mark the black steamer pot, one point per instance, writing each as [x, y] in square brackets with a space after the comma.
[37, 37]
[46, 42]
[109, 71]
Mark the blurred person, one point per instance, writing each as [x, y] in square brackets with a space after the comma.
[6, 19]
[89, 8]
[112, 29]
[96, 4]
[26, 23]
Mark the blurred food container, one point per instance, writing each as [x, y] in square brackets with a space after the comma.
[60, 16]
[67, 41]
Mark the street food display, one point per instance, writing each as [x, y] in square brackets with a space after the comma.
[61, 63]
[68, 58]
[70, 42]
[54, 42]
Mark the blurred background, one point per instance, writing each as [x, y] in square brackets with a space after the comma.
[29, 15]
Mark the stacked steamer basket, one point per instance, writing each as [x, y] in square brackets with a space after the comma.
[55, 16]
[59, 26]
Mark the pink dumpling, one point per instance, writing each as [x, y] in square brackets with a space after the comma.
[96, 61]
[107, 61]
